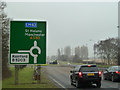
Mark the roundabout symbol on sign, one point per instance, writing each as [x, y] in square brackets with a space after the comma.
[31, 53]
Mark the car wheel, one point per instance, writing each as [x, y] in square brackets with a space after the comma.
[71, 81]
[113, 79]
[98, 84]
[77, 84]
[104, 77]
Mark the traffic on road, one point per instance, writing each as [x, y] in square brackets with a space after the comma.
[112, 73]
[85, 74]
[82, 76]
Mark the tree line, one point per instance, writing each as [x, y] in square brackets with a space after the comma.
[5, 31]
[107, 50]
[4, 27]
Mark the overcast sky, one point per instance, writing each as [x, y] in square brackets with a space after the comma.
[70, 23]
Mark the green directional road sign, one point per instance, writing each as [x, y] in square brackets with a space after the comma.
[28, 42]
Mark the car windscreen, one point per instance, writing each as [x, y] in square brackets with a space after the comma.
[116, 68]
[89, 69]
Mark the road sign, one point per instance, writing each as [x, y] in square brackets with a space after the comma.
[28, 42]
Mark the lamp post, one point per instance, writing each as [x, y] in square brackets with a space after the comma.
[118, 33]
[93, 47]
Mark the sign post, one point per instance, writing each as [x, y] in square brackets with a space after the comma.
[27, 43]
[16, 74]
[39, 72]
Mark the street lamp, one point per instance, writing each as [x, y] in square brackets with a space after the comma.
[93, 48]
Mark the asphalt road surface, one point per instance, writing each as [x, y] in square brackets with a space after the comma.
[60, 76]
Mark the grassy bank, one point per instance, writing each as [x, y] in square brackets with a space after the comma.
[26, 80]
[73, 63]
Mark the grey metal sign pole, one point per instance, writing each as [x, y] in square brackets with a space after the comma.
[119, 33]
[16, 74]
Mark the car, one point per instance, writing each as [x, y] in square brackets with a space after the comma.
[112, 73]
[68, 63]
[53, 62]
[85, 74]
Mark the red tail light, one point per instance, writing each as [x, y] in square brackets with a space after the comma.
[80, 74]
[99, 73]
[117, 72]
[89, 65]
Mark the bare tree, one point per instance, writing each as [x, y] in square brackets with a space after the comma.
[4, 27]
[107, 50]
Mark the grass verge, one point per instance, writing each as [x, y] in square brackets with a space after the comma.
[26, 80]
[73, 63]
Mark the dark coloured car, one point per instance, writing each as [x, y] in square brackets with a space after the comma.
[112, 73]
[85, 74]
[53, 62]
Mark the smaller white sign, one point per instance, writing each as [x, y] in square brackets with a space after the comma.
[19, 58]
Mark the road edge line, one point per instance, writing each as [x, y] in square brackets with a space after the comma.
[57, 82]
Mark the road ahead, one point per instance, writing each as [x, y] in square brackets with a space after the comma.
[60, 76]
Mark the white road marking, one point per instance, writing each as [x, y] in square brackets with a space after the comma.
[58, 83]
